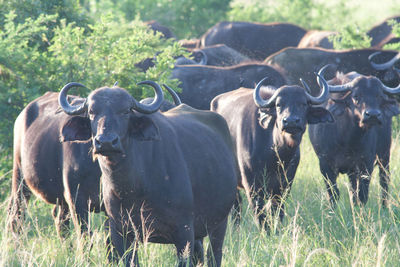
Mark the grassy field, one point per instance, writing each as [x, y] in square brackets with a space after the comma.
[312, 234]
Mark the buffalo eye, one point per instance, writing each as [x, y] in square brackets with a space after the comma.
[91, 113]
[126, 112]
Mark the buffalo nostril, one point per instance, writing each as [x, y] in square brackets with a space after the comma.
[96, 141]
[114, 142]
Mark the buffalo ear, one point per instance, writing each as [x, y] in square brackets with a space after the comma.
[266, 117]
[390, 107]
[77, 128]
[143, 128]
[337, 109]
[340, 104]
[318, 115]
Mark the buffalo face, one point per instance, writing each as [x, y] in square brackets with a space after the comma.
[371, 101]
[291, 107]
[368, 101]
[113, 117]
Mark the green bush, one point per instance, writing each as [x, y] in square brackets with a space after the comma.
[310, 14]
[70, 10]
[108, 52]
[351, 37]
[186, 18]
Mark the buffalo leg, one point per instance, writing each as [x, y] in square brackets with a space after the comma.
[79, 209]
[384, 178]
[184, 244]
[20, 195]
[365, 179]
[237, 209]
[258, 204]
[214, 251]
[77, 200]
[121, 242]
[198, 252]
[360, 186]
[278, 207]
[61, 218]
[330, 181]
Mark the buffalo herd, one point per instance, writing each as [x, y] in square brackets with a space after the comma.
[171, 172]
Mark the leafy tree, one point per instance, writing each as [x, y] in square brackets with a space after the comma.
[310, 14]
[70, 10]
[108, 52]
[186, 18]
[351, 37]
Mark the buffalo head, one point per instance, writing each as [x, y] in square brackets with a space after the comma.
[113, 115]
[292, 107]
[387, 71]
[365, 96]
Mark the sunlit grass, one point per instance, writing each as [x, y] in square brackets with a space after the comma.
[312, 234]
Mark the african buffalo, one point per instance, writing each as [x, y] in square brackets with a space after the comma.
[222, 55]
[58, 173]
[360, 137]
[157, 27]
[200, 58]
[166, 177]
[317, 39]
[381, 31]
[200, 84]
[303, 62]
[215, 55]
[254, 40]
[190, 44]
[267, 134]
[384, 65]
[166, 105]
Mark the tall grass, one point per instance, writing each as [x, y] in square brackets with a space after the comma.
[312, 233]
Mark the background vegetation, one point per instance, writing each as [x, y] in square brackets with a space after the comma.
[45, 44]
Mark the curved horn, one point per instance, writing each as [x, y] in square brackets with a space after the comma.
[204, 57]
[324, 93]
[153, 106]
[174, 95]
[391, 91]
[332, 88]
[261, 103]
[383, 66]
[305, 85]
[63, 101]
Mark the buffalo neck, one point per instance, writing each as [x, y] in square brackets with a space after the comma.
[351, 134]
[285, 143]
[126, 171]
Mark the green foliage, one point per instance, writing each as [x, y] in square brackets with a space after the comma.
[21, 65]
[70, 10]
[108, 52]
[65, 9]
[310, 14]
[186, 18]
[351, 37]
